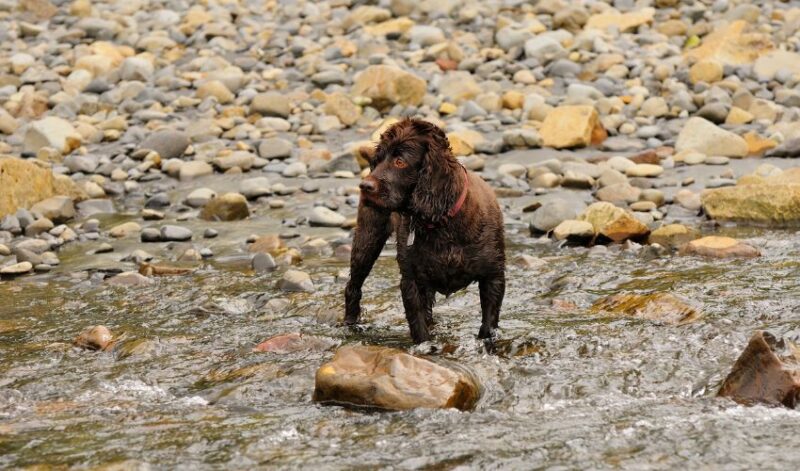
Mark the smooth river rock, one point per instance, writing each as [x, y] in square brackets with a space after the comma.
[391, 379]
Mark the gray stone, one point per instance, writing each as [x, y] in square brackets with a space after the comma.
[81, 163]
[322, 216]
[295, 280]
[252, 188]
[551, 214]
[263, 262]
[200, 197]
[150, 234]
[58, 208]
[169, 144]
[271, 104]
[95, 206]
[544, 49]
[175, 233]
[275, 148]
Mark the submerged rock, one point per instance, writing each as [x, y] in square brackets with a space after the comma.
[97, 337]
[296, 280]
[719, 247]
[294, 342]
[228, 207]
[387, 378]
[148, 269]
[672, 235]
[760, 375]
[659, 307]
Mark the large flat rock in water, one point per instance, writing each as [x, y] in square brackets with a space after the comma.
[760, 375]
[387, 378]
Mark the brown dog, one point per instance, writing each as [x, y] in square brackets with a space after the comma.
[448, 223]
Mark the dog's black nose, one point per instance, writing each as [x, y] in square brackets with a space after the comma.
[368, 186]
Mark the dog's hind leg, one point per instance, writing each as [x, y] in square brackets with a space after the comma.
[372, 230]
[416, 303]
[492, 292]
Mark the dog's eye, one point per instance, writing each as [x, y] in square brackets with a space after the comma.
[400, 163]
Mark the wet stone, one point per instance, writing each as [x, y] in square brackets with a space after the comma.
[385, 378]
[765, 373]
[174, 233]
[97, 337]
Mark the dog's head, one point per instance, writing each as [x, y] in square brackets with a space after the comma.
[412, 169]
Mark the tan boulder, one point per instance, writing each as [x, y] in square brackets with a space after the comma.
[340, 105]
[25, 184]
[570, 126]
[387, 85]
[613, 223]
[387, 378]
[732, 45]
[773, 204]
[625, 22]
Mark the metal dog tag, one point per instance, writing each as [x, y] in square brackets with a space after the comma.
[410, 241]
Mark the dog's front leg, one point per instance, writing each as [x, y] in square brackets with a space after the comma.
[416, 303]
[492, 292]
[372, 230]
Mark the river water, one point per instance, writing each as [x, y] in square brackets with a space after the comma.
[567, 390]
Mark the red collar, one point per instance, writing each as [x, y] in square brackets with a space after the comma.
[463, 197]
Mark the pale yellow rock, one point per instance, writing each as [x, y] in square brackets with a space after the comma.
[387, 85]
[81, 8]
[195, 18]
[216, 89]
[569, 126]
[513, 100]
[626, 22]
[24, 184]
[394, 26]
[769, 204]
[463, 142]
[447, 108]
[459, 87]
[708, 71]
[613, 223]
[738, 116]
[732, 45]
[341, 106]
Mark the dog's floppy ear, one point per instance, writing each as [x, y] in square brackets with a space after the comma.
[368, 154]
[437, 185]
